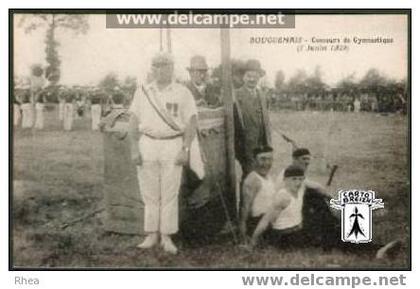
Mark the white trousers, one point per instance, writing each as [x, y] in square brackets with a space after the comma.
[27, 115]
[96, 116]
[61, 110]
[39, 115]
[68, 116]
[160, 180]
[16, 114]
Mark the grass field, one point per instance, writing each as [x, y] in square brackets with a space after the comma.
[58, 176]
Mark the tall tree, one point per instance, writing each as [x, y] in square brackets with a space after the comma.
[109, 82]
[78, 24]
[297, 83]
[373, 81]
[279, 81]
[315, 83]
[348, 85]
[129, 86]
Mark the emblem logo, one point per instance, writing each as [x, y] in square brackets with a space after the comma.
[356, 214]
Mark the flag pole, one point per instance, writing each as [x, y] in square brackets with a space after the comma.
[160, 39]
[168, 39]
[229, 127]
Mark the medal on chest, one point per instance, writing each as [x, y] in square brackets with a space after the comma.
[172, 108]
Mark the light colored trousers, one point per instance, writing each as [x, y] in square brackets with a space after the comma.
[68, 116]
[27, 115]
[16, 114]
[357, 107]
[160, 180]
[39, 115]
[61, 110]
[96, 116]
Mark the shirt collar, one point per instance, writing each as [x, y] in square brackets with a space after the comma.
[252, 91]
[167, 88]
[199, 86]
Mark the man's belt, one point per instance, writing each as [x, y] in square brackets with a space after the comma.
[162, 137]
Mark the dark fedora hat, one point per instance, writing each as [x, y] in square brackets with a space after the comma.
[254, 65]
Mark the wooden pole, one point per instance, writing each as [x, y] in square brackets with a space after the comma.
[230, 129]
[168, 39]
[161, 39]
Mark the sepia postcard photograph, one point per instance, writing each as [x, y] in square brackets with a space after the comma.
[210, 139]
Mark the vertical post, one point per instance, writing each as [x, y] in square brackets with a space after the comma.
[168, 39]
[161, 39]
[229, 126]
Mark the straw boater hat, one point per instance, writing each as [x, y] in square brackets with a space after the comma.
[254, 65]
[198, 62]
[162, 58]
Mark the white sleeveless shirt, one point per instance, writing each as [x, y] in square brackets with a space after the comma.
[264, 198]
[291, 216]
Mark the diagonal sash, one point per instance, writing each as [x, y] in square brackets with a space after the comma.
[195, 159]
[161, 111]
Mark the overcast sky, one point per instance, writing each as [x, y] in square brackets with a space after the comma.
[88, 58]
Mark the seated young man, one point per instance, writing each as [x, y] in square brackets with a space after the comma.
[301, 157]
[286, 225]
[257, 192]
[316, 200]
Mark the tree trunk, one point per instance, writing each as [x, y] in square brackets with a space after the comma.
[52, 72]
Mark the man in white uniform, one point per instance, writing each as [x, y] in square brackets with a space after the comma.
[257, 192]
[68, 110]
[27, 109]
[285, 213]
[17, 115]
[96, 108]
[40, 100]
[167, 122]
[61, 103]
[301, 157]
[356, 104]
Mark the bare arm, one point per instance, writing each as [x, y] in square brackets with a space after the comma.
[134, 137]
[268, 218]
[190, 131]
[189, 134]
[318, 187]
[249, 191]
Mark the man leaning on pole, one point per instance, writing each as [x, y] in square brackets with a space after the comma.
[252, 124]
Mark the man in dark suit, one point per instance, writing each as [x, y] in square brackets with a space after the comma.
[198, 84]
[252, 124]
